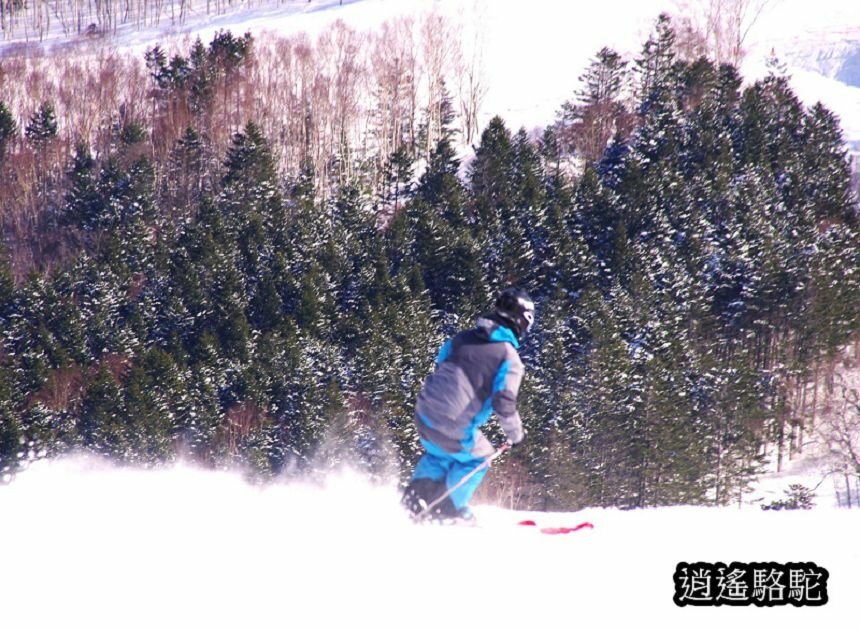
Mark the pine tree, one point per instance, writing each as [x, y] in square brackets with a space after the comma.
[606, 435]
[156, 63]
[44, 330]
[11, 431]
[448, 259]
[187, 175]
[602, 226]
[598, 112]
[256, 226]
[528, 235]
[229, 314]
[8, 129]
[308, 253]
[42, 126]
[827, 182]
[491, 176]
[152, 395]
[440, 184]
[265, 306]
[102, 424]
[396, 180]
[198, 420]
[357, 266]
[656, 62]
[551, 402]
[201, 70]
[313, 308]
[7, 285]
[83, 202]
[251, 193]
[710, 150]
[304, 400]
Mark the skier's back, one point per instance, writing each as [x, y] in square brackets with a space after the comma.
[478, 372]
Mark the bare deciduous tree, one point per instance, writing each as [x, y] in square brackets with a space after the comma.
[839, 424]
[441, 51]
[723, 26]
[395, 73]
[471, 76]
[342, 103]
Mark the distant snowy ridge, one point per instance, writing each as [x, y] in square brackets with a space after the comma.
[838, 58]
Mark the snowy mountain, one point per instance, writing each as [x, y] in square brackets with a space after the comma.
[91, 547]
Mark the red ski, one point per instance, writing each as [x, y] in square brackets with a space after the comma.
[557, 530]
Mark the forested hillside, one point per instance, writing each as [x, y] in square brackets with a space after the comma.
[243, 255]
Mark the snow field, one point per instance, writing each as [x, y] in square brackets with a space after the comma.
[83, 545]
[533, 53]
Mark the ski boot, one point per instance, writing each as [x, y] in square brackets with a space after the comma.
[420, 494]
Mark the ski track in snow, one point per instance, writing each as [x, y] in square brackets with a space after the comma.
[84, 545]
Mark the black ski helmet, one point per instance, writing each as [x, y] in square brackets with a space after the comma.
[516, 308]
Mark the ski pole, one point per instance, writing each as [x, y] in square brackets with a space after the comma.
[504, 447]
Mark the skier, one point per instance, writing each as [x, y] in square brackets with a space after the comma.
[478, 371]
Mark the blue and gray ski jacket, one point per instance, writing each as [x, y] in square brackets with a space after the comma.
[477, 372]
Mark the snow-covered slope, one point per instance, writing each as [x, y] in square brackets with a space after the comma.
[535, 51]
[90, 547]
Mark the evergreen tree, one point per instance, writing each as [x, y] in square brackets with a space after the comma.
[200, 417]
[8, 129]
[11, 431]
[656, 62]
[83, 202]
[440, 185]
[102, 424]
[396, 180]
[528, 236]
[827, 181]
[187, 179]
[491, 175]
[44, 331]
[598, 112]
[606, 432]
[152, 392]
[448, 259]
[357, 266]
[394, 362]
[551, 402]
[42, 126]
[7, 285]
[202, 79]
[156, 63]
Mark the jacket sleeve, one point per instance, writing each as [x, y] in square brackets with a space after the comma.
[444, 351]
[505, 391]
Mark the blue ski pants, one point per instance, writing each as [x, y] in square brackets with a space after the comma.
[438, 464]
